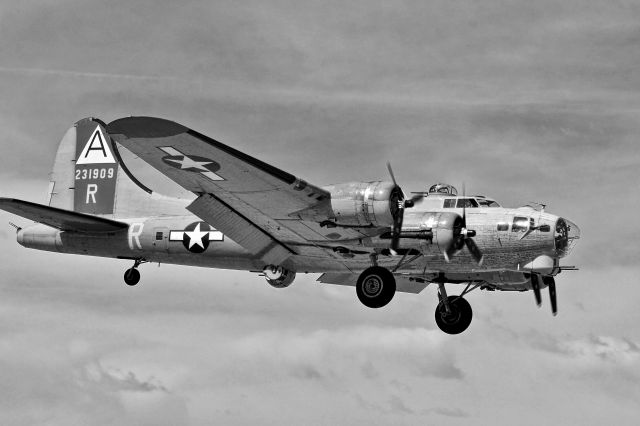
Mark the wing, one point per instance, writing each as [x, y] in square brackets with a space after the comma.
[64, 220]
[403, 282]
[268, 211]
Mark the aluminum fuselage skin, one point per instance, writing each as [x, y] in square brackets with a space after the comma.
[508, 253]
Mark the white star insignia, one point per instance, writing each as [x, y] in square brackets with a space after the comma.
[195, 236]
[187, 163]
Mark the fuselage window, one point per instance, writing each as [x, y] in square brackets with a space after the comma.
[488, 203]
[467, 202]
[520, 224]
[449, 203]
[503, 226]
[159, 236]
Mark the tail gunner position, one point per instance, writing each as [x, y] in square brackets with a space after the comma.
[248, 215]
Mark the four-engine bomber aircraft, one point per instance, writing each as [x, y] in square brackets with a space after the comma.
[249, 215]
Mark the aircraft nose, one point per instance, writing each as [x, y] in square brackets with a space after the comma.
[566, 236]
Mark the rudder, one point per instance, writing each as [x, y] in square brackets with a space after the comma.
[85, 170]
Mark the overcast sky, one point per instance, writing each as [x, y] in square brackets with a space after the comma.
[524, 101]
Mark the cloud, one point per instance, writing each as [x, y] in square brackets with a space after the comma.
[610, 349]
[592, 349]
[360, 352]
[81, 74]
[117, 380]
[450, 412]
[523, 101]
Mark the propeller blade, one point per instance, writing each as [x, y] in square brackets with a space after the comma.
[393, 178]
[449, 252]
[551, 283]
[535, 284]
[399, 212]
[475, 250]
[397, 227]
[464, 207]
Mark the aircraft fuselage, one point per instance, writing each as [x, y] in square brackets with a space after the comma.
[510, 239]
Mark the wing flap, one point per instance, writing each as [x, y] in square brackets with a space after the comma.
[65, 220]
[403, 283]
[240, 229]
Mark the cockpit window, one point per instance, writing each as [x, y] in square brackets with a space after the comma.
[466, 202]
[487, 203]
[449, 203]
[521, 224]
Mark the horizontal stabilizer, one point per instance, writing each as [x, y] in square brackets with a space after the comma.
[64, 220]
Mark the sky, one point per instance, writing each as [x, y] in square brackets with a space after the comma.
[522, 101]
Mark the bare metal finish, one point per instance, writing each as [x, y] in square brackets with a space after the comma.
[245, 214]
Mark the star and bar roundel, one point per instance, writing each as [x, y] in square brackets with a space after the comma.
[196, 236]
[191, 163]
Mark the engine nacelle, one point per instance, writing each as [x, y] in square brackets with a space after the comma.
[279, 277]
[438, 228]
[364, 203]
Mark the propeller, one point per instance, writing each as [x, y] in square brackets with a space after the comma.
[463, 236]
[551, 283]
[397, 210]
[535, 284]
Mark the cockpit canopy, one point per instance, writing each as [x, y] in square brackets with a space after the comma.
[443, 189]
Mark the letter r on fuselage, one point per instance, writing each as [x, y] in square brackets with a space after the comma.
[135, 230]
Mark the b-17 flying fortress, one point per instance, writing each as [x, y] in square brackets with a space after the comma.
[248, 215]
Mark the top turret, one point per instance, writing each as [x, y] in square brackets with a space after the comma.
[442, 189]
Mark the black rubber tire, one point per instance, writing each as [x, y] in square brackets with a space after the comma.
[132, 276]
[458, 320]
[376, 287]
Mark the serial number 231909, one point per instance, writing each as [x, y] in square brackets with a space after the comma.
[101, 173]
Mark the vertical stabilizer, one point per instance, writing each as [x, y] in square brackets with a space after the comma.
[89, 176]
[85, 170]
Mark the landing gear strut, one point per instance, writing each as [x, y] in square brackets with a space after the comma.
[453, 313]
[132, 275]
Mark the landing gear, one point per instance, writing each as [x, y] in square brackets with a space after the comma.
[456, 318]
[454, 313]
[132, 275]
[376, 287]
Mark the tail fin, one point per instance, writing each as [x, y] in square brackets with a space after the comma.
[85, 170]
[89, 176]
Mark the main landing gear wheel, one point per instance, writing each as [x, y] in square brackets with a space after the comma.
[376, 287]
[457, 319]
[132, 276]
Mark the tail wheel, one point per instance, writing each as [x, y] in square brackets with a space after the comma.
[457, 319]
[132, 276]
[376, 287]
